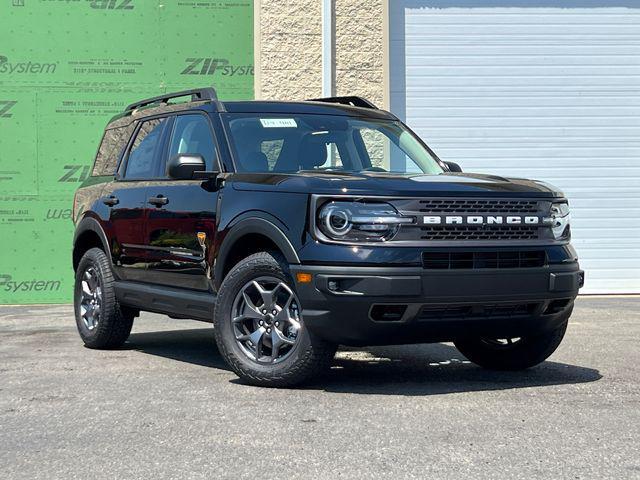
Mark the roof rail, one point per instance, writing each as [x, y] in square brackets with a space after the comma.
[351, 100]
[197, 94]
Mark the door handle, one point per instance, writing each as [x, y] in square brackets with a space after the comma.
[158, 201]
[111, 200]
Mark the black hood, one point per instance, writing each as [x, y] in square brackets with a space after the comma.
[390, 184]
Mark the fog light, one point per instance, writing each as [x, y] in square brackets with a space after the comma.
[332, 285]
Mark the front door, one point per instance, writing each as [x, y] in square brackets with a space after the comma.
[181, 214]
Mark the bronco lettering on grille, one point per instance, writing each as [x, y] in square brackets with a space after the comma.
[481, 220]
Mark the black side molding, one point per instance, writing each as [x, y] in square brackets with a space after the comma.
[176, 302]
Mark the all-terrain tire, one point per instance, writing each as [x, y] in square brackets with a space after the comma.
[309, 356]
[114, 321]
[521, 354]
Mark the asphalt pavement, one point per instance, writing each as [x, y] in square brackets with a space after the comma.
[166, 406]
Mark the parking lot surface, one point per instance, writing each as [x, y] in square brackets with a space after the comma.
[166, 406]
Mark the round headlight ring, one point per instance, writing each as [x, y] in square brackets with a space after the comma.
[337, 221]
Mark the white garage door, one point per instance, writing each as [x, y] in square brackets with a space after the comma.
[538, 92]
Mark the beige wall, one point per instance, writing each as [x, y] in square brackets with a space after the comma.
[288, 46]
[288, 49]
[360, 48]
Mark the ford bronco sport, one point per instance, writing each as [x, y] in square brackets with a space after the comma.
[297, 226]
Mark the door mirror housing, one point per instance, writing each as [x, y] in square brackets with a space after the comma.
[186, 166]
[453, 167]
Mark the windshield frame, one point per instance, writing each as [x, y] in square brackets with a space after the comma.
[231, 144]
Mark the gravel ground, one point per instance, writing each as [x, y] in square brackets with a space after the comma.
[166, 406]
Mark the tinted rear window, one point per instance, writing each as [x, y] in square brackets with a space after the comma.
[144, 157]
[112, 145]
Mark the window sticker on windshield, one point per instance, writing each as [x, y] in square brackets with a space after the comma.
[278, 123]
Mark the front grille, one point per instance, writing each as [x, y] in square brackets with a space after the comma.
[475, 260]
[463, 312]
[454, 233]
[477, 206]
[494, 226]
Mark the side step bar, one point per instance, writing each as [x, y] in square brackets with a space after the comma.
[176, 302]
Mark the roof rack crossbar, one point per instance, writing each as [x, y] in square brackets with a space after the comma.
[197, 94]
[350, 100]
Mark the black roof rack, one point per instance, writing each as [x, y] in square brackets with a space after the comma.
[352, 100]
[197, 94]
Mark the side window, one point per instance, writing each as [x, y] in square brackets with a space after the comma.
[113, 142]
[386, 154]
[376, 144]
[272, 149]
[333, 157]
[324, 155]
[192, 134]
[145, 151]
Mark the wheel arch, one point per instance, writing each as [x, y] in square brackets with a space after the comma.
[250, 235]
[88, 234]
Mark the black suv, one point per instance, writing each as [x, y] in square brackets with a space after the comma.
[298, 226]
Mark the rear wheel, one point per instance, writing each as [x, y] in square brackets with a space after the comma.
[516, 353]
[101, 321]
[259, 328]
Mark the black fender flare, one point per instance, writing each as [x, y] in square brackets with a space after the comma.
[90, 224]
[253, 225]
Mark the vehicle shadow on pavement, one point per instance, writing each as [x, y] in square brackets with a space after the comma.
[426, 369]
[433, 369]
[196, 346]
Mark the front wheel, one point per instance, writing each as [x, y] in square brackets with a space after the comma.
[512, 353]
[259, 327]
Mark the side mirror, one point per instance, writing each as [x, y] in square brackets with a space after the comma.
[453, 167]
[184, 165]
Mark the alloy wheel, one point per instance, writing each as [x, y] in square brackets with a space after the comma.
[91, 298]
[266, 320]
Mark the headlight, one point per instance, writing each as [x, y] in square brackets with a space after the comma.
[559, 220]
[359, 222]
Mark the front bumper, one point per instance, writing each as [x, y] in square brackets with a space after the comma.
[398, 305]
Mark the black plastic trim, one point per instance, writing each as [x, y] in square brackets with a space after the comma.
[198, 94]
[91, 224]
[353, 101]
[176, 302]
[253, 225]
[346, 317]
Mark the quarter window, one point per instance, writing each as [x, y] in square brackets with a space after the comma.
[112, 145]
[272, 150]
[192, 135]
[145, 151]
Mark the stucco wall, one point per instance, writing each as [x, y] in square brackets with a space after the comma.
[289, 49]
[359, 48]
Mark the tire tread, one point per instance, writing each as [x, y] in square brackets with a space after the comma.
[532, 351]
[115, 322]
[315, 359]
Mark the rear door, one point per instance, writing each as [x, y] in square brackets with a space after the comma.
[126, 198]
[181, 218]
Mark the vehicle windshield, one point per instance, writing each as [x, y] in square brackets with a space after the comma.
[323, 143]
